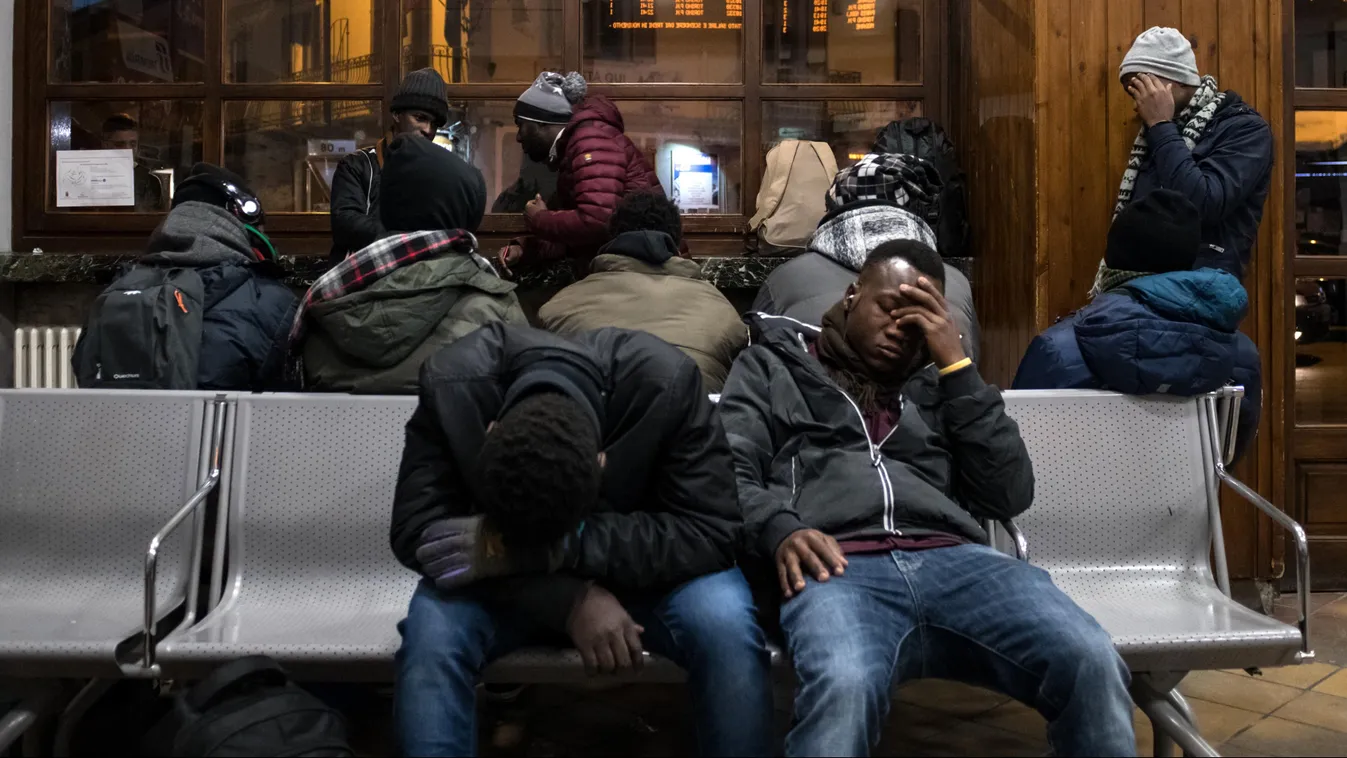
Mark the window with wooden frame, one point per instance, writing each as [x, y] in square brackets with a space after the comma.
[279, 90]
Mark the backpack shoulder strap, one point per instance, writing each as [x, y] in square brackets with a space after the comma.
[826, 157]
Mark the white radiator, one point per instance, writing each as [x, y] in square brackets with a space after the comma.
[42, 357]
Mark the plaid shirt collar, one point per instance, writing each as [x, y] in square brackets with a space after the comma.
[367, 266]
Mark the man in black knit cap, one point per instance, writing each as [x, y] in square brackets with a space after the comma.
[420, 107]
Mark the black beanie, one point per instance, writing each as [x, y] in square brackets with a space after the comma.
[1159, 233]
[424, 187]
[423, 90]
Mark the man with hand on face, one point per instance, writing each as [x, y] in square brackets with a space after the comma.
[582, 489]
[866, 451]
[1205, 144]
[420, 107]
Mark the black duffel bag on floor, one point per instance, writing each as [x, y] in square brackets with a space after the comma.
[250, 707]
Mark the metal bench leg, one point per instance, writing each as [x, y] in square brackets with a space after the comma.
[73, 713]
[1171, 726]
[15, 723]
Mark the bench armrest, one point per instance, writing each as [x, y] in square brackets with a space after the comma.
[1016, 536]
[152, 554]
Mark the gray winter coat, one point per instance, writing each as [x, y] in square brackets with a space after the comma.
[805, 287]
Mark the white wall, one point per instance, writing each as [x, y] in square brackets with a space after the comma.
[6, 122]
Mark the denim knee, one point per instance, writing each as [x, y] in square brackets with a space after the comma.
[442, 630]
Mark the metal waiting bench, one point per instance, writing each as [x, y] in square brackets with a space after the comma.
[85, 478]
[1126, 516]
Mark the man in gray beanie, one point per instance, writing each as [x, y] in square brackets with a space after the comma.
[420, 107]
[1208, 145]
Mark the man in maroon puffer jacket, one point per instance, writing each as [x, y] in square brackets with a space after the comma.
[597, 165]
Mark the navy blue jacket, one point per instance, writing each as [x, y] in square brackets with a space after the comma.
[1226, 175]
[1175, 333]
[248, 309]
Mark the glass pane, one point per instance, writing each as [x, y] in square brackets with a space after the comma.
[698, 41]
[842, 41]
[288, 151]
[482, 41]
[308, 41]
[1321, 43]
[127, 40]
[162, 139]
[695, 149]
[482, 132]
[1321, 182]
[849, 126]
[1321, 351]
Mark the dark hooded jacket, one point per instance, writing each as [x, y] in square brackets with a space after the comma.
[248, 308]
[806, 286]
[803, 456]
[597, 165]
[355, 201]
[1175, 333]
[1226, 175]
[667, 511]
[638, 282]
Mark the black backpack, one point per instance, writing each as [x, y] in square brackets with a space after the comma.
[144, 332]
[925, 139]
[249, 707]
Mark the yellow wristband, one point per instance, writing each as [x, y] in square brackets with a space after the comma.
[951, 368]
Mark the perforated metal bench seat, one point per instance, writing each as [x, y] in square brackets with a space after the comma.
[1124, 510]
[85, 478]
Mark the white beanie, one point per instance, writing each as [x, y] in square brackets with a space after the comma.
[1164, 52]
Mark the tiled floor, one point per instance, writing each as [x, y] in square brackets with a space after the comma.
[1291, 711]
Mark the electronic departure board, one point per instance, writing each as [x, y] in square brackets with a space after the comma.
[858, 14]
[676, 14]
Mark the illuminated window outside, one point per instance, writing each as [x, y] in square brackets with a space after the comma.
[696, 41]
[325, 41]
[842, 41]
[481, 41]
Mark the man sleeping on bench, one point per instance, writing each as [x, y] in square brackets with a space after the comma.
[865, 454]
[555, 488]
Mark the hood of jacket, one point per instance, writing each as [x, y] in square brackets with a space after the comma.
[198, 234]
[1210, 297]
[849, 233]
[597, 108]
[384, 323]
[646, 246]
[1168, 333]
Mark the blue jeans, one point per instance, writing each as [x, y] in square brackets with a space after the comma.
[966, 613]
[707, 626]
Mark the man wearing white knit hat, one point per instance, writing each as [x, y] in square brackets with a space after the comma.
[1207, 144]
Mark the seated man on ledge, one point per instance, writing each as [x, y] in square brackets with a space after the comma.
[553, 488]
[865, 453]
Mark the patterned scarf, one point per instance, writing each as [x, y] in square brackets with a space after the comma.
[1193, 120]
[365, 267]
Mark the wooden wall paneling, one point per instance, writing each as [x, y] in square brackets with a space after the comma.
[1124, 23]
[1053, 110]
[1200, 22]
[1001, 157]
[1163, 13]
[1091, 201]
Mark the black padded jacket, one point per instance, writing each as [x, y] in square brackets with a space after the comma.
[667, 510]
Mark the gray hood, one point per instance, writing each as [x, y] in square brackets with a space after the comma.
[198, 234]
[848, 234]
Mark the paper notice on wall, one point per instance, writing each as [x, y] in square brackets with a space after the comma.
[95, 179]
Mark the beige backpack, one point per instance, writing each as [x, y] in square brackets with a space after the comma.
[791, 200]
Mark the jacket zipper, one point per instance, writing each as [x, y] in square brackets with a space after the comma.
[876, 460]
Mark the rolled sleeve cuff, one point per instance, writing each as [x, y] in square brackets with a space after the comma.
[778, 528]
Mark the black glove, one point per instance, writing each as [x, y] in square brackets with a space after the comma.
[602, 630]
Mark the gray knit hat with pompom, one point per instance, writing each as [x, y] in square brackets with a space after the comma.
[552, 98]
